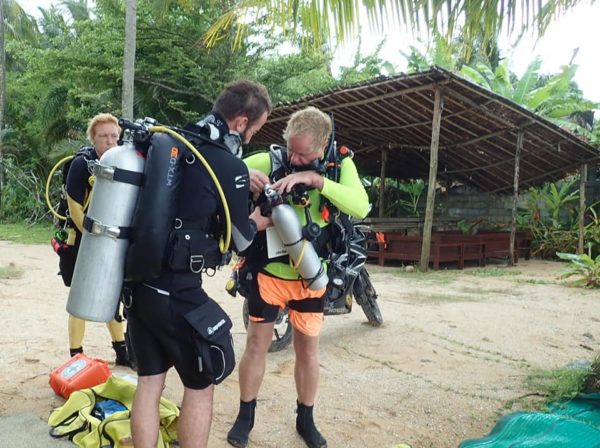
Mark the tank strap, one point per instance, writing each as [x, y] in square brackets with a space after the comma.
[201, 224]
[312, 305]
[97, 228]
[118, 174]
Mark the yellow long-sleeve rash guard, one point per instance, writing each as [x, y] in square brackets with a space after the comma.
[348, 195]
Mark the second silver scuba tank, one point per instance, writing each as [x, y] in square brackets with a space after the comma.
[98, 276]
[301, 251]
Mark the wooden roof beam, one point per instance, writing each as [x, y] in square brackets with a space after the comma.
[429, 86]
[518, 109]
[459, 157]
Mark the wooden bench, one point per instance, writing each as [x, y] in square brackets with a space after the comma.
[497, 244]
[408, 225]
[450, 247]
[524, 240]
[473, 246]
[408, 248]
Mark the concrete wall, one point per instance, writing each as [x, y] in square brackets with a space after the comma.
[471, 206]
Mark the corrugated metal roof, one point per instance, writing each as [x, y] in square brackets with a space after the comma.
[477, 138]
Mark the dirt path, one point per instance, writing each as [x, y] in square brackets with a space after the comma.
[454, 349]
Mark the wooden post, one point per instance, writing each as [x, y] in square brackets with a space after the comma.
[438, 106]
[583, 173]
[384, 157]
[513, 224]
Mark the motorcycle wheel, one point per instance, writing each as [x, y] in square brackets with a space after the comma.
[366, 297]
[282, 332]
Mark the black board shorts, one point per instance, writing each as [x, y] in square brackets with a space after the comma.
[160, 335]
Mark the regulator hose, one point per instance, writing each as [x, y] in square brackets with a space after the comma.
[49, 180]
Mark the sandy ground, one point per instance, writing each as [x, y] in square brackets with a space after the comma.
[454, 349]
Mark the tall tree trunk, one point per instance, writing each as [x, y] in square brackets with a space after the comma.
[2, 97]
[129, 59]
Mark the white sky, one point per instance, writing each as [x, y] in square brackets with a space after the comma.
[577, 28]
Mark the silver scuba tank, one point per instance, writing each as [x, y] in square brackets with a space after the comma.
[301, 252]
[99, 270]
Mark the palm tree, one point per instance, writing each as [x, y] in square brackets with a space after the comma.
[129, 59]
[2, 92]
[78, 9]
[342, 18]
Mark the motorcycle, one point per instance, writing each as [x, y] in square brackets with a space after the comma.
[349, 281]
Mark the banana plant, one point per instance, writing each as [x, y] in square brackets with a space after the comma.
[557, 199]
[582, 265]
[527, 82]
[414, 188]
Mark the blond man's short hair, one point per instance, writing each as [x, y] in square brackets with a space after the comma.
[309, 121]
[98, 120]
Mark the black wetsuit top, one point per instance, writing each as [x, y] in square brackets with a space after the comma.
[160, 334]
[79, 188]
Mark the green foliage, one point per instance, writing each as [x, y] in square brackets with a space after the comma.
[551, 213]
[584, 266]
[493, 272]
[401, 197]
[592, 230]
[557, 384]
[292, 76]
[10, 272]
[557, 200]
[22, 194]
[554, 97]
[27, 234]
[414, 189]
[592, 381]
[72, 69]
[434, 277]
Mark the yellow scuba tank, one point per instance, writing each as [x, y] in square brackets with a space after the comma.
[98, 276]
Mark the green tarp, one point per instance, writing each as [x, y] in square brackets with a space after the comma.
[569, 424]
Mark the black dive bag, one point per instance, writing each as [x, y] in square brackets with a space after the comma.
[212, 336]
[156, 208]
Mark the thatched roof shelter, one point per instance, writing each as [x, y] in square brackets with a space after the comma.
[477, 138]
[435, 124]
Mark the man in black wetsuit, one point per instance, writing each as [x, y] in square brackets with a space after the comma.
[159, 315]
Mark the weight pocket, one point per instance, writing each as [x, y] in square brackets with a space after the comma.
[191, 250]
[212, 336]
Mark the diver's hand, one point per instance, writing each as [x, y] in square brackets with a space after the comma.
[262, 222]
[309, 178]
[258, 180]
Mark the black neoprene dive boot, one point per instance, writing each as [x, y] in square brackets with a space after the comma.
[240, 431]
[122, 359]
[74, 351]
[305, 425]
